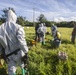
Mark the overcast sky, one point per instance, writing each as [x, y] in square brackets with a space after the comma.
[54, 10]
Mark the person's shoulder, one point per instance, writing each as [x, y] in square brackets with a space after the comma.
[21, 28]
[18, 25]
[2, 24]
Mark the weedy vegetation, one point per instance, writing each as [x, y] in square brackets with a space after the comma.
[43, 60]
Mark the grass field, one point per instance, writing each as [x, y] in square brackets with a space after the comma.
[43, 60]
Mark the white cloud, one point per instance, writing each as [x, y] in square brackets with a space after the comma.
[56, 10]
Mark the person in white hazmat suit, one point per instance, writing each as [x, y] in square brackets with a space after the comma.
[53, 30]
[14, 42]
[42, 30]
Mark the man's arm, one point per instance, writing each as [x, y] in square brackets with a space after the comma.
[21, 39]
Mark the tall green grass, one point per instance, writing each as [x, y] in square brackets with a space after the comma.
[43, 60]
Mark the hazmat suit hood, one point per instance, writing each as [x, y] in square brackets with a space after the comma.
[11, 16]
[41, 25]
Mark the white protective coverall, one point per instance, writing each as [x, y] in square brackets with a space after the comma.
[53, 30]
[14, 38]
[42, 29]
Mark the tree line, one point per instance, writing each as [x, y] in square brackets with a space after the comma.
[41, 19]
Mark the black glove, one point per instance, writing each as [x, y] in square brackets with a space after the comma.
[1, 56]
[25, 57]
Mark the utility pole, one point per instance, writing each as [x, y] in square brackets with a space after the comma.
[0, 12]
[34, 17]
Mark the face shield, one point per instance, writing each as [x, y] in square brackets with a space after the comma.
[11, 16]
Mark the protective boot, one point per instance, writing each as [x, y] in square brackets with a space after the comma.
[43, 43]
[23, 71]
[14, 73]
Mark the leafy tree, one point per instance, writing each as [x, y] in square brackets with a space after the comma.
[21, 20]
[4, 15]
[71, 24]
[66, 24]
[49, 23]
[62, 24]
[41, 18]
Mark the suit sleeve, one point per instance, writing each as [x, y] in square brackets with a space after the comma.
[21, 39]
